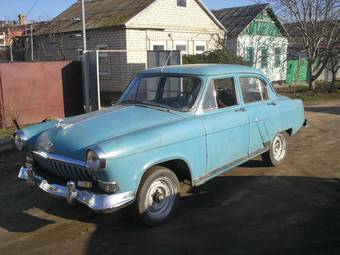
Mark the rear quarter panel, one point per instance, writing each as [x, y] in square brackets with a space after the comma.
[291, 114]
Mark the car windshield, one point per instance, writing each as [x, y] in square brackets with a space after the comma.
[169, 92]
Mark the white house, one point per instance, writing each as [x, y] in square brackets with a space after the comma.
[133, 26]
[2, 39]
[256, 34]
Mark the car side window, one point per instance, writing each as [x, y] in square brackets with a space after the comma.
[221, 94]
[253, 89]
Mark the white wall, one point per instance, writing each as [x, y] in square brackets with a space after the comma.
[259, 42]
[164, 23]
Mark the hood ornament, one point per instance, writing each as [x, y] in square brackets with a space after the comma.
[61, 124]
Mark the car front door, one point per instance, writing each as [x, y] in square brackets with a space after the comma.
[262, 111]
[226, 123]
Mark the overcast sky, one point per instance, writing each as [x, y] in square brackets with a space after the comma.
[47, 9]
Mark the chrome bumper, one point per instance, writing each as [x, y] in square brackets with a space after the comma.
[97, 202]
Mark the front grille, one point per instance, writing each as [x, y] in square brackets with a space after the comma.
[69, 171]
[63, 169]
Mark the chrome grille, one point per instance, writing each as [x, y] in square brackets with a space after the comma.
[62, 168]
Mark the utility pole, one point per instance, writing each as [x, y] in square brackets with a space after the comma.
[10, 44]
[32, 53]
[85, 63]
[84, 24]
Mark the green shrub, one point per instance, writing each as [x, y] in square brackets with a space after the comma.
[219, 56]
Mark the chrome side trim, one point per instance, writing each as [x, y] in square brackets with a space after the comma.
[97, 202]
[229, 166]
[51, 156]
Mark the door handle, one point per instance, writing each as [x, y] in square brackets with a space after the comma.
[272, 103]
[240, 110]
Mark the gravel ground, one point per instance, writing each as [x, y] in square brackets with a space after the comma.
[292, 209]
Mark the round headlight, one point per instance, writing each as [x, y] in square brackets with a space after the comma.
[20, 140]
[95, 159]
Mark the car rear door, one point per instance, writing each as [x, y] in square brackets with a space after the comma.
[226, 123]
[261, 109]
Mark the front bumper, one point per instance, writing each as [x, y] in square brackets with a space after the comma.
[97, 202]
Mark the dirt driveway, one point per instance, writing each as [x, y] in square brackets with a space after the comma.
[293, 209]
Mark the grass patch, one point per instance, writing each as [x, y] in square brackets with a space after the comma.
[322, 92]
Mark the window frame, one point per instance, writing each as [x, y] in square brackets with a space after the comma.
[199, 97]
[182, 6]
[182, 43]
[250, 58]
[103, 55]
[277, 57]
[264, 58]
[265, 81]
[158, 43]
[200, 43]
[217, 109]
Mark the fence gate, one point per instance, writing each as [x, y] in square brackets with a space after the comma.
[106, 73]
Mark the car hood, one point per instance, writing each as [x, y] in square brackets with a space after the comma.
[71, 137]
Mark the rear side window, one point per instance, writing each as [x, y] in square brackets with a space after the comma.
[253, 90]
[221, 94]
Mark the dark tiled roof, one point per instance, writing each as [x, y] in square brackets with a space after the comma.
[236, 19]
[99, 13]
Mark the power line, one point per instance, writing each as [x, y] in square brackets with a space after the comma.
[30, 10]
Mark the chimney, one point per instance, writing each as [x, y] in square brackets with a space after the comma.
[22, 19]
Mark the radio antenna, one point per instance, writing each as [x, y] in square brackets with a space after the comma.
[167, 60]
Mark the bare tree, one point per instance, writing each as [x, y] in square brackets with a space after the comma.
[317, 24]
[334, 65]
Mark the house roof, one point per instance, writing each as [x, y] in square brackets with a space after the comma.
[99, 13]
[236, 19]
[103, 13]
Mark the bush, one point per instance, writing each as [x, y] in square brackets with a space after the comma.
[220, 56]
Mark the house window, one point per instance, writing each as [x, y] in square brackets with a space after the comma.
[158, 47]
[103, 59]
[182, 3]
[182, 47]
[200, 47]
[277, 57]
[264, 58]
[250, 55]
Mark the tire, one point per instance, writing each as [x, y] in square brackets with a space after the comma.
[158, 197]
[277, 152]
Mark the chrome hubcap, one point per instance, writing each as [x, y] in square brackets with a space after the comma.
[279, 147]
[160, 198]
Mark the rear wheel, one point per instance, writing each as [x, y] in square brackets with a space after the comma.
[277, 152]
[158, 196]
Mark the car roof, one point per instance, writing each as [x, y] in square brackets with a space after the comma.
[203, 69]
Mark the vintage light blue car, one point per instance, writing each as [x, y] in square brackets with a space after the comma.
[172, 124]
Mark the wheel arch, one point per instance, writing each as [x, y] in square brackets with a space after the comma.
[178, 165]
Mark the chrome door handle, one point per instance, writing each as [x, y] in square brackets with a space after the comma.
[240, 110]
[272, 103]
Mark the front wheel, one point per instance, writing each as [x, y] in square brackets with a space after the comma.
[277, 152]
[158, 196]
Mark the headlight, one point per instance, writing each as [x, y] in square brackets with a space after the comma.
[20, 139]
[95, 159]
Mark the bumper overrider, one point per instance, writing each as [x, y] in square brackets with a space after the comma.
[98, 202]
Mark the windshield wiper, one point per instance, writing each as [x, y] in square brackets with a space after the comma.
[147, 104]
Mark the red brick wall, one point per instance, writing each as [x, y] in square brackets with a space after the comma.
[32, 92]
